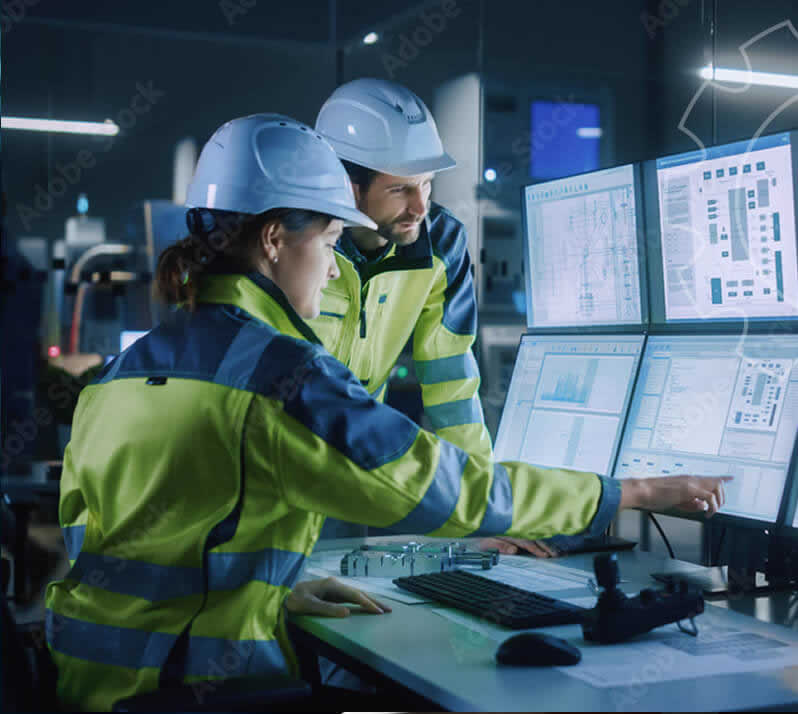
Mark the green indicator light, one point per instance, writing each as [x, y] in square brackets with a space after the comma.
[401, 372]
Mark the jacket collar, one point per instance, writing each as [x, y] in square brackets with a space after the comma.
[258, 296]
[416, 256]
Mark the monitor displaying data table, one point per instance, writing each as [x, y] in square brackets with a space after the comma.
[716, 405]
[727, 232]
[582, 250]
[567, 400]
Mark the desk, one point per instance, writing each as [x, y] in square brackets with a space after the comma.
[453, 666]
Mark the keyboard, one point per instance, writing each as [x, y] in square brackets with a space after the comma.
[503, 604]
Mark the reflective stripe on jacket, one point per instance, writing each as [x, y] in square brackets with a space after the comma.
[425, 290]
[202, 464]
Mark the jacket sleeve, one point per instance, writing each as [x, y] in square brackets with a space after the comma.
[332, 449]
[442, 342]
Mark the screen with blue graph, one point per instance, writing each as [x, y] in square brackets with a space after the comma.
[567, 399]
[715, 405]
[727, 231]
[581, 250]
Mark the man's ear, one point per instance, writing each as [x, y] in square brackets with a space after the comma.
[358, 194]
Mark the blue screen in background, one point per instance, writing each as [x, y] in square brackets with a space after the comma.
[564, 139]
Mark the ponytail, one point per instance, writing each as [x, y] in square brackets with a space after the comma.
[219, 242]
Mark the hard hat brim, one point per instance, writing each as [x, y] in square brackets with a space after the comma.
[408, 168]
[350, 216]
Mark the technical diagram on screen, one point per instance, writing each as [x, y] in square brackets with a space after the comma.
[581, 250]
[714, 405]
[567, 399]
[728, 232]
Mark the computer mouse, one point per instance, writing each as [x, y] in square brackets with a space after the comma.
[536, 649]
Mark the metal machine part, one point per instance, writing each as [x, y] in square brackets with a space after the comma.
[398, 559]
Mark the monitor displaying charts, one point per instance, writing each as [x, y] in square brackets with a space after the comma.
[128, 337]
[715, 405]
[582, 250]
[567, 399]
[727, 248]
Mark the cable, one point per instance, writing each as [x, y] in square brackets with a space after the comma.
[662, 533]
[718, 550]
[693, 631]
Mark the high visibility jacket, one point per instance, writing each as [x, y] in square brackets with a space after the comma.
[202, 464]
[425, 290]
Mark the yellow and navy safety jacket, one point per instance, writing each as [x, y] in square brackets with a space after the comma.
[424, 290]
[202, 464]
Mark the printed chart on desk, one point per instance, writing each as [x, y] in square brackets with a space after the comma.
[716, 405]
[566, 401]
[727, 220]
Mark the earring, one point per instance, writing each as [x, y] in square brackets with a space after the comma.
[274, 260]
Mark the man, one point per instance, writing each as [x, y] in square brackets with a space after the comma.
[410, 277]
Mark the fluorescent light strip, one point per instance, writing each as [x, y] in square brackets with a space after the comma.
[589, 132]
[769, 79]
[106, 128]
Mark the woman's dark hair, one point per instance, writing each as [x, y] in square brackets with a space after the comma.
[219, 242]
[360, 175]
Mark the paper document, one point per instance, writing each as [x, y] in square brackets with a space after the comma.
[666, 654]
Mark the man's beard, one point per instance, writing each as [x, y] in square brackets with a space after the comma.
[390, 232]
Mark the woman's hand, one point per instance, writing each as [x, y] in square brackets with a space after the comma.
[319, 597]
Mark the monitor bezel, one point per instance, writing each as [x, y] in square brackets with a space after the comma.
[724, 519]
[658, 322]
[627, 400]
[642, 261]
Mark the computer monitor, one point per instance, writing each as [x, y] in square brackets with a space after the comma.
[567, 400]
[722, 232]
[716, 405]
[582, 248]
[128, 337]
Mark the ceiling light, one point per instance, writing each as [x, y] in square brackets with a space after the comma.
[371, 38]
[106, 128]
[743, 76]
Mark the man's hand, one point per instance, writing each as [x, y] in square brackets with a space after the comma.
[693, 494]
[511, 546]
[319, 597]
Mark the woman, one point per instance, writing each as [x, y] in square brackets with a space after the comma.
[205, 457]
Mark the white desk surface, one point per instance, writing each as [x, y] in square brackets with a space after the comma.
[454, 666]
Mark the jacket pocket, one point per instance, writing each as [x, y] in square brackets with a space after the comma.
[329, 325]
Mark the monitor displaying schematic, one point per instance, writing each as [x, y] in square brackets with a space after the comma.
[716, 405]
[726, 221]
[582, 250]
[567, 400]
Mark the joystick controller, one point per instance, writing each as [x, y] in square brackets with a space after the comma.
[618, 617]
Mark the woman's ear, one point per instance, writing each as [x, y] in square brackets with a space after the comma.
[271, 240]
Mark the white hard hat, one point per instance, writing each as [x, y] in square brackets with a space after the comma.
[383, 126]
[264, 161]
